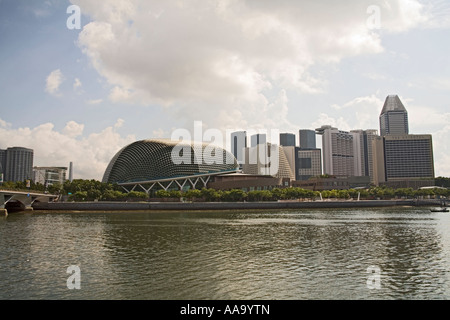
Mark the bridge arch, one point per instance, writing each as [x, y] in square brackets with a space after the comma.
[21, 201]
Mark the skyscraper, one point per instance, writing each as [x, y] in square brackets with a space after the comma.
[287, 139]
[238, 145]
[338, 151]
[404, 160]
[259, 138]
[308, 163]
[19, 164]
[401, 159]
[362, 140]
[393, 117]
[308, 158]
[2, 164]
[307, 139]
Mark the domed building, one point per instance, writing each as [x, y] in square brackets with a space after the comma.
[163, 164]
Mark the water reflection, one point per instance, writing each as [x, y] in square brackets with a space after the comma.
[319, 254]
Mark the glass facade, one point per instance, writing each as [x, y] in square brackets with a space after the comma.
[393, 117]
[151, 160]
[409, 157]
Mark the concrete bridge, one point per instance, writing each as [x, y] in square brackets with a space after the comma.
[21, 200]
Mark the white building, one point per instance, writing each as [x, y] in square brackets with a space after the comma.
[49, 175]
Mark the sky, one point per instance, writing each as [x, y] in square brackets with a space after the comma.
[79, 87]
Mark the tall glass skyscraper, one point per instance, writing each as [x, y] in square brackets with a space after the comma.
[307, 139]
[287, 139]
[393, 117]
[18, 165]
[238, 145]
[2, 164]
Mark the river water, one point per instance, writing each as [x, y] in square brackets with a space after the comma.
[389, 253]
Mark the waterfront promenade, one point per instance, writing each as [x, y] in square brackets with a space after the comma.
[179, 206]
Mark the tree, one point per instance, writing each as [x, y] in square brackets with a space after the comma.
[259, 195]
[211, 194]
[137, 195]
[162, 194]
[192, 194]
[278, 194]
[79, 196]
[343, 194]
[442, 182]
[233, 195]
[175, 194]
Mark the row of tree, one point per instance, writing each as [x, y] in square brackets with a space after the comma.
[299, 193]
[89, 190]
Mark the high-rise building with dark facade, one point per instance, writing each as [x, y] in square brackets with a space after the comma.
[2, 164]
[308, 158]
[18, 165]
[393, 117]
[404, 160]
[307, 139]
[238, 145]
[308, 163]
[287, 139]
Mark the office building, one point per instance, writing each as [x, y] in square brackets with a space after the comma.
[270, 160]
[338, 151]
[238, 145]
[362, 145]
[393, 117]
[17, 164]
[307, 139]
[256, 139]
[287, 139]
[308, 163]
[49, 176]
[403, 161]
[2, 164]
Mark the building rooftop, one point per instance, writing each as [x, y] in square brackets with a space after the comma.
[393, 103]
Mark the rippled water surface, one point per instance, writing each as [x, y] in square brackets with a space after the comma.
[286, 255]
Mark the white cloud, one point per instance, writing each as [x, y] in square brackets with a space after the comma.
[364, 111]
[4, 124]
[402, 15]
[53, 81]
[437, 13]
[160, 133]
[218, 60]
[94, 101]
[325, 119]
[73, 129]
[77, 84]
[90, 154]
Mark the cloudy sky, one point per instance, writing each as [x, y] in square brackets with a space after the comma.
[137, 69]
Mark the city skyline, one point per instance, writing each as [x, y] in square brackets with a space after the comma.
[141, 69]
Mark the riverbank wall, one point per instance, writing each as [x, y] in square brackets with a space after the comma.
[180, 206]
